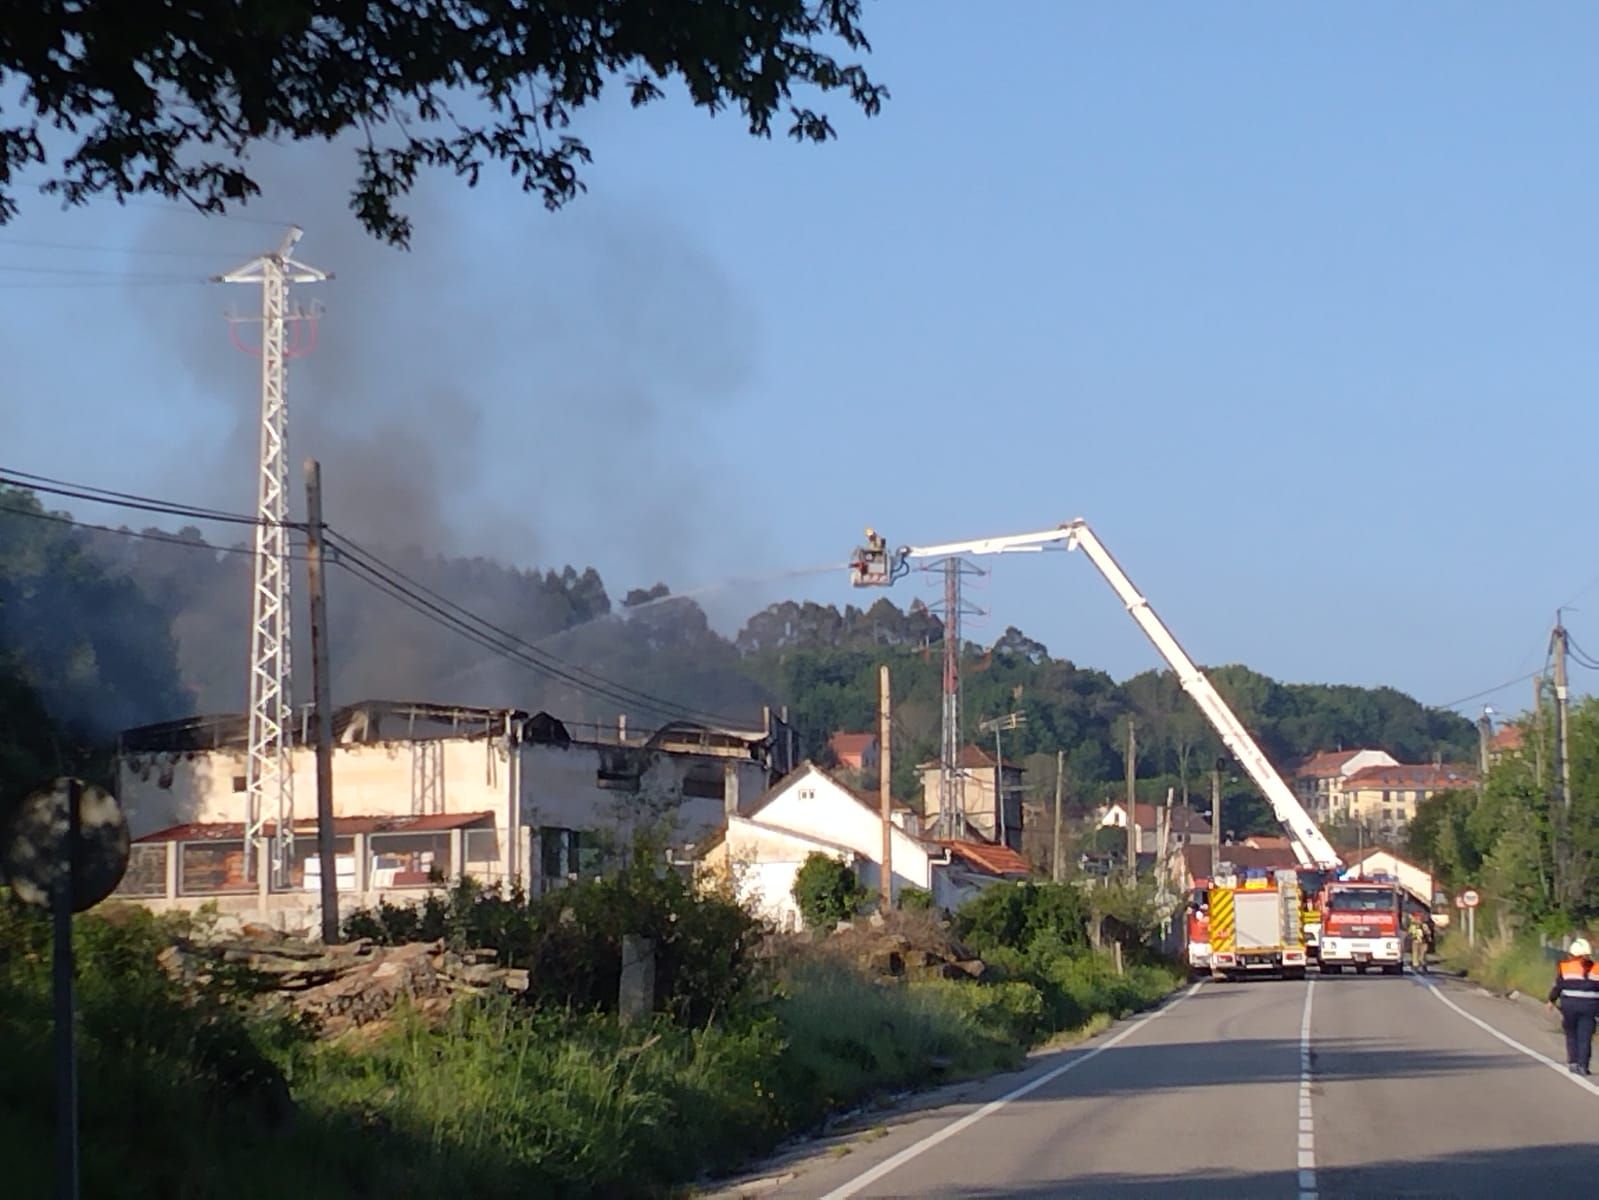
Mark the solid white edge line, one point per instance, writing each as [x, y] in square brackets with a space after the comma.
[917, 1149]
[1307, 1141]
[1558, 1068]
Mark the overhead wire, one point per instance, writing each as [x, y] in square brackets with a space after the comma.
[1489, 691]
[508, 647]
[545, 661]
[88, 248]
[147, 535]
[97, 495]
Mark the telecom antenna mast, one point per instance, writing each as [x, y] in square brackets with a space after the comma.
[269, 779]
[951, 775]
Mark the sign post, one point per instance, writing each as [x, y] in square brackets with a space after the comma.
[64, 848]
[1469, 901]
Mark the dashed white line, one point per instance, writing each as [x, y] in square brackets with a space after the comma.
[1307, 1116]
[1579, 1080]
[916, 1149]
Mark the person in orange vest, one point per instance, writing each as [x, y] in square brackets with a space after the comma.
[1576, 991]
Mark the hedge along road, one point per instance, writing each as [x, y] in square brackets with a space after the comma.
[1356, 1085]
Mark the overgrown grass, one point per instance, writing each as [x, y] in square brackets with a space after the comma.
[1503, 964]
[188, 1090]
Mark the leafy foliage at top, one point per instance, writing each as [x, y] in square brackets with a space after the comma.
[170, 99]
[1518, 844]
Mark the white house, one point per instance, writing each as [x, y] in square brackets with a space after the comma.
[810, 811]
[420, 792]
[1188, 828]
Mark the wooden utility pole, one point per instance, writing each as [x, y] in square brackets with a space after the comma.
[1132, 804]
[1215, 820]
[1056, 867]
[884, 775]
[326, 851]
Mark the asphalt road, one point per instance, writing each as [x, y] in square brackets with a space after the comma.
[1390, 1087]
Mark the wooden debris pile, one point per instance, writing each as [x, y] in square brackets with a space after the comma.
[343, 987]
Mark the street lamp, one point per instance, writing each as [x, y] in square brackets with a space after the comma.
[1013, 720]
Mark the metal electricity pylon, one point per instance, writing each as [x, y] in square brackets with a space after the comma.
[269, 778]
[951, 776]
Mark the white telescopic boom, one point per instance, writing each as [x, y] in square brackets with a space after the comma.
[1310, 846]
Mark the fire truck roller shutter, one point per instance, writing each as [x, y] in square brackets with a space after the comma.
[1221, 920]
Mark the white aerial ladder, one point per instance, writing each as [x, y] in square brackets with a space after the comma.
[875, 565]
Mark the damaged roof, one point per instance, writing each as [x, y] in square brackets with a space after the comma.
[232, 831]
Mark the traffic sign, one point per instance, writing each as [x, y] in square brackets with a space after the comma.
[1469, 899]
[44, 843]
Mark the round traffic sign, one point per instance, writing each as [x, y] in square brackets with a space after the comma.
[34, 844]
[1469, 899]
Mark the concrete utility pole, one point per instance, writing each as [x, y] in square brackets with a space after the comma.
[1485, 731]
[1132, 803]
[1562, 713]
[322, 688]
[884, 775]
[1056, 867]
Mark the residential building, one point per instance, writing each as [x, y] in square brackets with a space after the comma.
[981, 813]
[855, 751]
[1188, 828]
[1384, 798]
[422, 793]
[1507, 739]
[1320, 779]
[761, 849]
[1193, 863]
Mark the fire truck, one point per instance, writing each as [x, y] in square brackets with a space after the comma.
[874, 564]
[1361, 927]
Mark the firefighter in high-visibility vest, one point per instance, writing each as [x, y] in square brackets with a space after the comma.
[1576, 991]
[1418, 943]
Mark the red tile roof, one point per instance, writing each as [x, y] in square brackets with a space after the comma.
[1260, 841]
[851, 745]
[975, 758]
[992, 859]
[232, 831]
[1510, 737]
[1324, 764]
[1197, 859]
[1424, 776]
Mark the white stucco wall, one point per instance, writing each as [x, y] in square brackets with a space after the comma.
[161, 790]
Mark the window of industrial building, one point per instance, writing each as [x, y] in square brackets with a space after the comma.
[240, 783]
[146, 875]
[206, 868]
[305, 849]
[481, 850]
[567, 852]
[409, 859]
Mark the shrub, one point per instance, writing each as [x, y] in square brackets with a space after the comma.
[915, 899]
[827, 891]
[570, 940]
[1024, 917]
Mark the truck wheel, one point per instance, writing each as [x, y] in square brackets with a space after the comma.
[1393, 969]
[1360, 968]
[1331, 968]
[1293, 972]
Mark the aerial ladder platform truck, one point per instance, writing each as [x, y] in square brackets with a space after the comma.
[876, 565]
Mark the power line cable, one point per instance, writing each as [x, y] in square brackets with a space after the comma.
[554, 662]
[441, 615]
[87, 248]
[40, 483]
[147, 535]
[1489, 691]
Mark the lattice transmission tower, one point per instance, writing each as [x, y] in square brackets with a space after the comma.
[269, 778]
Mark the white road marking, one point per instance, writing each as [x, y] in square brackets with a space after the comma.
[1579, 1080]
[1307, 1117]
[917, 1149]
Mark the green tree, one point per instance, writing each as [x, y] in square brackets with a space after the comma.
[173, 101]
[827, 892]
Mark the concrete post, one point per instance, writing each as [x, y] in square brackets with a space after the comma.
[636, 999]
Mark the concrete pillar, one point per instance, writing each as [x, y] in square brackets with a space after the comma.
[172, 849]
[457, 854]
[636, 999]
[263, 875]
[730, 788]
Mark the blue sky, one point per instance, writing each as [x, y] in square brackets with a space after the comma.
[1295, 307]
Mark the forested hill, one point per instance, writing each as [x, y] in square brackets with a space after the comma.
[103, 630]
